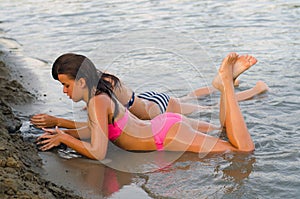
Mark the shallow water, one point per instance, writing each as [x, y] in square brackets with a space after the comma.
[175, 47]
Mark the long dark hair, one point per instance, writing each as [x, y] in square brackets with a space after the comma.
[77, 66]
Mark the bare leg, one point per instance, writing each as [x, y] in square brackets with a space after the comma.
[259, 88]
[242, 64]
[185, 108]
[200, 126]
[188, 108]
[204, 91]
[200, 92]
[236, 128]
[176, 106]
[182, 137]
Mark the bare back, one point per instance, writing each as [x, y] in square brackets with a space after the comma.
[141, 108]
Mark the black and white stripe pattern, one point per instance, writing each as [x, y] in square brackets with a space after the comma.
[130, 102]
[160, 99]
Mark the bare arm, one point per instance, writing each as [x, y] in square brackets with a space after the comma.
[45, 120]
[98, 125]
[81, 133]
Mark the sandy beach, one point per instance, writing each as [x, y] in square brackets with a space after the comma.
[19, 160]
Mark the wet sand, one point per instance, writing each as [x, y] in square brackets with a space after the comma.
[20, 163]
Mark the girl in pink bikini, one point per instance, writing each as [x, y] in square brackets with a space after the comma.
[108, 119]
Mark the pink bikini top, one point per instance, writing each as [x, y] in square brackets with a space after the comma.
[115, 130]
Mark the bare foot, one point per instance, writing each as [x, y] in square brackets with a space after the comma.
[261, 87]
[225, 71]
[243, 63]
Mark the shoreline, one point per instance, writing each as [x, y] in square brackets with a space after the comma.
[19, 160]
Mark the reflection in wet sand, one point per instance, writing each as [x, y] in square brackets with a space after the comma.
[216, 174]
[88, 178]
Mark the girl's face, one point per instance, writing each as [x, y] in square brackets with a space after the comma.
[70, 87]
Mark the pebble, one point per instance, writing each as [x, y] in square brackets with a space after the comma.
[11, 162]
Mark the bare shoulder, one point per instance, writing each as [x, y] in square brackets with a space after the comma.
[101, 98]
[100, 101]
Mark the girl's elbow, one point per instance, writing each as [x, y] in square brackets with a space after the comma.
[97, 155]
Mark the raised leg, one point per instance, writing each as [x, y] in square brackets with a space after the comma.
[242, 63]
[182, 136]
[232, 117]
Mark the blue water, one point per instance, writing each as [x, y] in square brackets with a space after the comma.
[175, 47]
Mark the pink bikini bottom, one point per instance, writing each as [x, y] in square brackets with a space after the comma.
[161, 125]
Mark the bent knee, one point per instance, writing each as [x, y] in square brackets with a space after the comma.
[248, 150]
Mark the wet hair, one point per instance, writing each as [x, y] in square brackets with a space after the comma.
[77, 66]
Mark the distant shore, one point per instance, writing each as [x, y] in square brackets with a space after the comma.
[19, 160]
